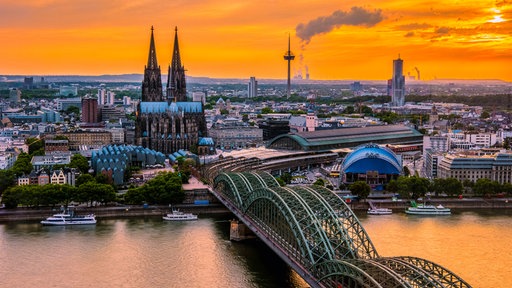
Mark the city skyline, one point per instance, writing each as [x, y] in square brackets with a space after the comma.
[332, 40]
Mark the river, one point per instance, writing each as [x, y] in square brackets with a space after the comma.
[149, 252]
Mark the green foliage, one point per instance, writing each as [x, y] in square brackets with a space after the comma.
[224, 112]
[73, 110]
[392, 186]
[413, 187]
[266, 110]
[80, 162]
[319, 182]
[96, 192]
[388, 117]
[286, 177]
[208, 106]
[360, 188]
[84, 178]
[35, 195]
[296, 112]
[486, 187]
[39, 93]
[165, 188]
[407, 172]
[349, 110]
[7, 179]
[366, 110]
[22, 165]
[103, 179]
[281, 182]
[448, 186]
[34, 144]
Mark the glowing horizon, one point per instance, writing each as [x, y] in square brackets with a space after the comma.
[335, 41]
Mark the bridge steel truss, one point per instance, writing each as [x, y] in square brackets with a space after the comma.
[318, 235]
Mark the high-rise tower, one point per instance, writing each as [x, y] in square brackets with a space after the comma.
[176, 84]
[288, 56]
[252, 88]
[398, 83]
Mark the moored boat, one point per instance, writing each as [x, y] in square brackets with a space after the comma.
[177, 215]
[424, 209]
[68, 217]
[379, 211]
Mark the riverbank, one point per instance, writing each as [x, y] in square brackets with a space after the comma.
[37, 214]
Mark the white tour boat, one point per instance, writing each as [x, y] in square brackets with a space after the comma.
[69, 218]
[379, 211]
[374, 210]
[177, 215]
[423, 209]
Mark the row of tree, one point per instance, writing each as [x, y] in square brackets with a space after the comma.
[165, 188]
[415, 187]
[56, 195]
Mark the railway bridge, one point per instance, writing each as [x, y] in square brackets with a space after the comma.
[319, 236]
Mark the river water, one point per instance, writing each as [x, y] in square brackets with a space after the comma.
[149, 252]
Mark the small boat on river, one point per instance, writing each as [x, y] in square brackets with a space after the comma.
[177, 215]
[379, 211]
[424, 209]
[68, 217]
[374, 210]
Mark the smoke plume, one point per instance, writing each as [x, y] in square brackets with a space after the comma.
[357, 16]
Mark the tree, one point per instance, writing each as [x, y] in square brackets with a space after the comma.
[286, 177]
[280, 181]
[484, 115]
[7, 179]
[319, 182]
[392, 186]
[165, 188]
[34, 144]
[266, 110]
[91, 192]
[413, 187]
[73, 109]
[360, 188]
[84, 178]
[80, 162]
[448, 186]
[407, 172]
[349, 110]
[22, 165]
[486, 187]
[507, 143]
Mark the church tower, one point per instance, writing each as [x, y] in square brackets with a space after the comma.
[176, 85]
[152, 83]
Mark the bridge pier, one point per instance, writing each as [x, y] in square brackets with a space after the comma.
[239, 231]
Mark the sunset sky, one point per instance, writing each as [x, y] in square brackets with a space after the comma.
[335, 40]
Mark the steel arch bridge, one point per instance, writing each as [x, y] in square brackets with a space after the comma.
[318, 235]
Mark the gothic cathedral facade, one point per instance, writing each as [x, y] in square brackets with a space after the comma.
[167, 122]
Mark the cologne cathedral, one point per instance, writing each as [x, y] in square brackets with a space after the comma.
[167, 122]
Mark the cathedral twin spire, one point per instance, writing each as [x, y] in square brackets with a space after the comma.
[152, 83]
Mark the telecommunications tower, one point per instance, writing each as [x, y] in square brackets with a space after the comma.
[288, 56]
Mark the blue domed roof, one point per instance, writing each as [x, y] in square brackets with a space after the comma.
[371, 157]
